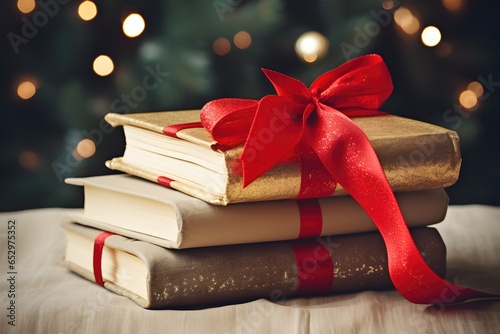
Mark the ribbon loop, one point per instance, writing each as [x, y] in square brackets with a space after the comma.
[363, 82]
[229, 120]
[288, 86]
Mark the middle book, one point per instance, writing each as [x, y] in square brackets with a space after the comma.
[147, 211]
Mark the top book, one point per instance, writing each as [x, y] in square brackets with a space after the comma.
[414, 155]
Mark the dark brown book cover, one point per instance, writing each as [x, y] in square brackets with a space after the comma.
[164, 278]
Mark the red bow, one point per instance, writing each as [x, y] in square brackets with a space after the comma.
[315, 122]
[275, 125]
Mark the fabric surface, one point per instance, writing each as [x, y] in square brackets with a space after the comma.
[50, 299]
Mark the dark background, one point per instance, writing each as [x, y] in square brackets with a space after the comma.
[38, 135]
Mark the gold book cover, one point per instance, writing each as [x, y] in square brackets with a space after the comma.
[414, 155]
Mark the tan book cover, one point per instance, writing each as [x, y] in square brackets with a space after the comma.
[414, 155]
[156, 277]
[147, 211]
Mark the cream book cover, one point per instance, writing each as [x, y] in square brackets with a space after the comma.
[147, 211]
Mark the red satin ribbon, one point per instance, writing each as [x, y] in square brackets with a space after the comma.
[314, 267]
[311, 220]
[164, 181]
[97, 257]
[315, 123]
[171, 130]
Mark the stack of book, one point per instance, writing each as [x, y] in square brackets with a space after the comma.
[185, 231]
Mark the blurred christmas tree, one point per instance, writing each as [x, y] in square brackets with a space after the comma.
[66, 64]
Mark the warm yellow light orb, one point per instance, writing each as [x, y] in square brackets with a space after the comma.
[26, 6]
[103, 65]
[402, 16]
[468, 99]
[452, 5]
[26, 90]
[242, 40]
[133, 25]
[311, 46]
[476, 87]
[87, 10]
[431, 36]
[388, 4]
[406, 20]
[85, 149]
[411, 27]
[221, 46]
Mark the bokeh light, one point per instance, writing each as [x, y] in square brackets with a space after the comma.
[402, 15]
[388, 4]
[476, 88]
[412, 27]
[87, 10]
[468, 99]
[103, 65]
[26, 90]
[452, 5]
[311, 46]
[85, 149]
[28, 159]
[431, 36]
[133, 25]
[242, 40]
[221, 46]
[26, 6]
[405, 19]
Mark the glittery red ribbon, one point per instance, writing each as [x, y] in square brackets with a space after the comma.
[314, 267]
[315, 123]
[97, 257]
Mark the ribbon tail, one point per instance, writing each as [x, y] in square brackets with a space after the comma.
[349, 157]
[315, 180]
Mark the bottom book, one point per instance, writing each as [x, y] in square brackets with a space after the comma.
[156, 277]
